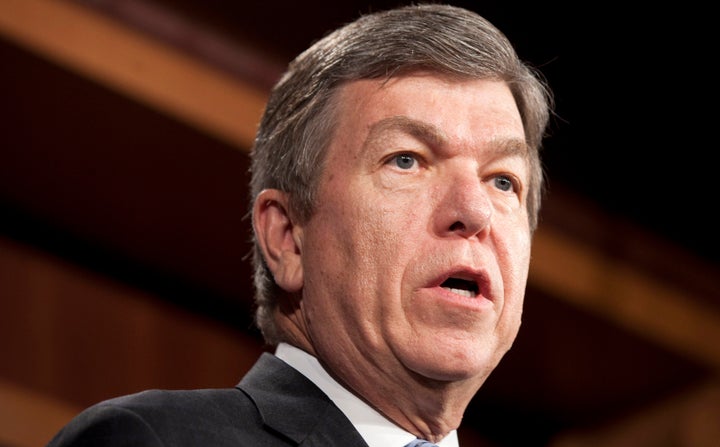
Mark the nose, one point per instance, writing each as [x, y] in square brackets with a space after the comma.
[464, 208]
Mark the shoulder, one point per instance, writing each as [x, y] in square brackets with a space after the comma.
[154, 403]
[162, 417]
[272, 405]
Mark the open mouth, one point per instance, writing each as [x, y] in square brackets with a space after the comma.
[463, 287]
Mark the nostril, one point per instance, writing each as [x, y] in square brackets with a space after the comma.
[457, 226]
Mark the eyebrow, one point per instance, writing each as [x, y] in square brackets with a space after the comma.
[434, 136]
[511, 147]
[418, 129]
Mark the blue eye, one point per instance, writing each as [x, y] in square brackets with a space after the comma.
[404, 161]
[504, 183]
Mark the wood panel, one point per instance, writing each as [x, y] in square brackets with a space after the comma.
[80, 337]
[146, 70]
[625, 295]
[28, 418]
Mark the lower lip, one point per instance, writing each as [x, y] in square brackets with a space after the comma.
[476, 303]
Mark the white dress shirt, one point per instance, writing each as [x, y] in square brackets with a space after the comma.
[375, 429]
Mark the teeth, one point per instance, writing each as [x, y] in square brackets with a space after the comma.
[461, 292]
[461, 287]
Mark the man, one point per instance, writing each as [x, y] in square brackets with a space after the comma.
[396, 187]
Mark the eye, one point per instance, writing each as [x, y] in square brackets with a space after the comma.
[404, 161]
[504, 183]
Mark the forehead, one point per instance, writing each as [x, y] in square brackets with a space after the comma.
[456, 112]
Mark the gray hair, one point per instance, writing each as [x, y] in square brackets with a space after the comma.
[299, 122]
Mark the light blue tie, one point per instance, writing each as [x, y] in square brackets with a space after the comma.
[421, 443]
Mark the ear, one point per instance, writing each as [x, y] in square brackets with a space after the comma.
[279, 238]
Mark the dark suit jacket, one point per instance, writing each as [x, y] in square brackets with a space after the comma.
[272, 406]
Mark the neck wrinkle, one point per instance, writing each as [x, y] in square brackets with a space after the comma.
[292, 330]
[439, 413]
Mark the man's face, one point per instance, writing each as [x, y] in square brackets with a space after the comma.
[416, 259]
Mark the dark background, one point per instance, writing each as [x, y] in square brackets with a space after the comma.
[634, 125]
[126, 191]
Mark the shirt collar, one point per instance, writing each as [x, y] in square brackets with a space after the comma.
[375, 429]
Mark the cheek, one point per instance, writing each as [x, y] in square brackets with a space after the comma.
[361, 235]
[513, 249]
[384, 219]
[515, 272]
[343, 245]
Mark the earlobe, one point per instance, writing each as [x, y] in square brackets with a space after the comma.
[279, 238]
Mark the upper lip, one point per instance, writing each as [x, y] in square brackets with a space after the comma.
[478, 279]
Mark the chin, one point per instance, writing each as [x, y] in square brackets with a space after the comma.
[457, 368]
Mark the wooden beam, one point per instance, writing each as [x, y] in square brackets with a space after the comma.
[621, 293]
[81, 337]
[689, 418]
[29, 418]
[133, 64]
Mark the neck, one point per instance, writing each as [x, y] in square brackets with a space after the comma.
[428, 409]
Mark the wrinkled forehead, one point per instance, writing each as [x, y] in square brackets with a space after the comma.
[436, 109]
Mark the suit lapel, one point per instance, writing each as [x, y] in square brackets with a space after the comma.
[291, 404]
